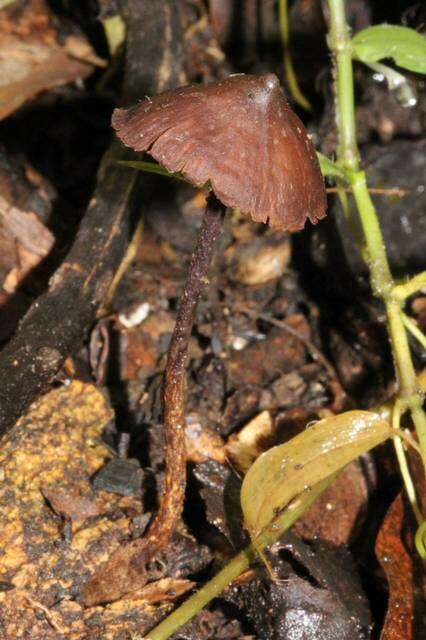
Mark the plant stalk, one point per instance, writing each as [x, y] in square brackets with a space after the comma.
[288, 61]
[381, 279]
[340, 44]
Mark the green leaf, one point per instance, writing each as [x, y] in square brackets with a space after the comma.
[330, 168]
[287, 471]
[405, 46]
[150, 167]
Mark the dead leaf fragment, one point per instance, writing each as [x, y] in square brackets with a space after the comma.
[139, 355]
[338, 514]
[70, 504]
[31, 57]
[202, 442]
[245, 446]
[141, 345]
[164, 590]
[396, 562]
[261, 261]
[220, 491]
[261, 362]
[24, 240]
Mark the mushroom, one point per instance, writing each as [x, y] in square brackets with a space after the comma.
[240, 137]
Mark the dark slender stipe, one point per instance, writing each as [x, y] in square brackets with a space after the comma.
[174, 384]
[211, 133]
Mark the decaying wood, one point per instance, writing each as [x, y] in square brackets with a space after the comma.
[56, 529]
[58, 320]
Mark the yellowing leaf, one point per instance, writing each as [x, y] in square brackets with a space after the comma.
[286, 471]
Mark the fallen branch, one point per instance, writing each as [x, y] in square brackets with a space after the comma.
[58, 320]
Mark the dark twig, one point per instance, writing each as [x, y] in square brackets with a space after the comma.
[59, 319]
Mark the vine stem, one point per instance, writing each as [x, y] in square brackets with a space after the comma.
[402, 461]
[381, 278]
[412, 327]
[340, 44]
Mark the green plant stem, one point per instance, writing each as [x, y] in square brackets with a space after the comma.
[420, 540]
[288, 62]
[340, 44]
[403, 464]
[392, 77]
[237, 565]
[411, 326]
[381, 278]
[412, 286]
[203, 596]
[150, 167]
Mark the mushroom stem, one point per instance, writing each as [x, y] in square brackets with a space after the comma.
[171, 504]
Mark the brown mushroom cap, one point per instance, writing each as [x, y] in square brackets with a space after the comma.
[241, 135]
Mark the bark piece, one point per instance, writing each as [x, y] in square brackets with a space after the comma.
[24, 242]
[32, 59]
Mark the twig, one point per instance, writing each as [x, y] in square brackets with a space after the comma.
[124, 265]
[402, 461]
[48, 614]
[394, 191]
[412, 327]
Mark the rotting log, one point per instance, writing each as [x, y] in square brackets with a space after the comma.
[59, 320]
